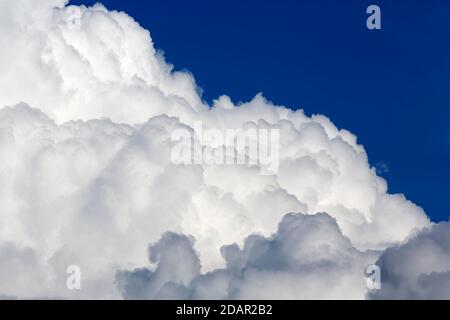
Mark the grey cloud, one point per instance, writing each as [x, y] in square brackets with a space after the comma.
[177, 265]
[307, 258]
[418, 269]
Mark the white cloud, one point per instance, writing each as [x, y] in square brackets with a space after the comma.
[106, 68]
[86, 178]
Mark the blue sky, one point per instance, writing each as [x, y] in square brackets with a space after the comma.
[390, 87]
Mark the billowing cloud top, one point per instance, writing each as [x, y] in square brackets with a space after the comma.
[86, 176]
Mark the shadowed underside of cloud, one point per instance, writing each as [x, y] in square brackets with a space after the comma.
[307, 258]
[86, 177]
[418, 269]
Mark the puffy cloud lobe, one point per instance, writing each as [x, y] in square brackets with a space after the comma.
[418, 269]
[86, 175]
[307, 258]
[104, 65]
[177, 265]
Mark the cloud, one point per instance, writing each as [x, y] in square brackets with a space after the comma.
[307, 258]
[102, 66]
[419, 268]
[86, 176]
[177, 265]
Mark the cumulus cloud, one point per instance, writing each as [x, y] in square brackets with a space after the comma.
[307, 258]
[86, 176]
[177, 265]
[104, 65]
[418, 269]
